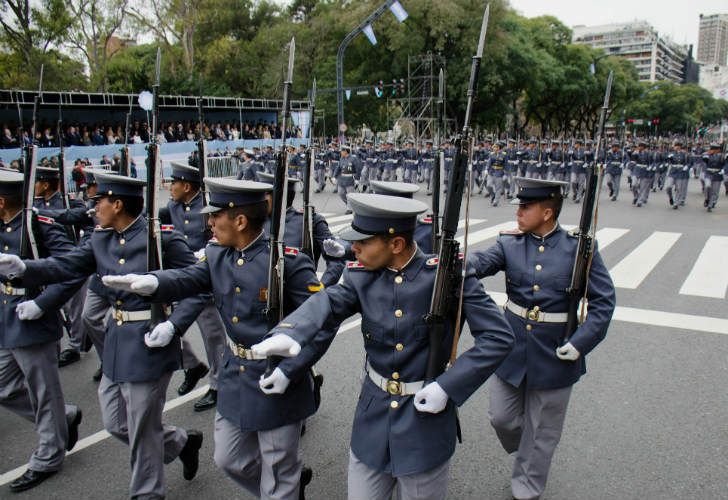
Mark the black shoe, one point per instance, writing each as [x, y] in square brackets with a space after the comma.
[207, 401]
[67, 357]
[614, 198]
[306, 476]
[192, 376]
[639, 203]
[190, 454]
[674, 207]
[710, 209]
[705, 203]
[30, 479]
[98, 374]
[348, 212]
[73, 420]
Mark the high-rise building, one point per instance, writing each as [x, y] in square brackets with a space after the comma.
[656, 58]
[713, 39]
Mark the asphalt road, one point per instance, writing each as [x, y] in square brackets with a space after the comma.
[648, 421]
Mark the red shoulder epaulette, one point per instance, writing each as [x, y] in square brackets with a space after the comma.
[291, 251]
[46, 220]
[427, 220]
[167, 227]
[354, 264]
[432, 262]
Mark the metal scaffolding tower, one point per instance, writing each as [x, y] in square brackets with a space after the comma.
[422, 85]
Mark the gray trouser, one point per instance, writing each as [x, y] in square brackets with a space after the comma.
[95, 315]
[343, 191]
[713, 193]
[74, 312]
[365, 483]
[495, 188]
[511, 185]
[388, 174]
[578, 182]
[614, 181]
[213, 336]
[642, 189]
[265, 463]
[372, 172]
[319, 176]
[680, 187]
[529, 422]
[132, 413]
[31, 388]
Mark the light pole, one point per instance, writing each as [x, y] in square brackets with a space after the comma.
[365, 27]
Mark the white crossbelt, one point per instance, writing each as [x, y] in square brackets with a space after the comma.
[9, 290]
[536, 314]
[241, 352]
[394, 387]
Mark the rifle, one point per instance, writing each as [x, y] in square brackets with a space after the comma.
[437, 165]
[307, 235]
[201, 154]
[274, 306]
[585, 233]
[125, 159]
[61, 161]
[448, 278]
[154, 238]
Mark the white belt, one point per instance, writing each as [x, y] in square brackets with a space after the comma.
[347, 175]
[241, 352]
[9, 290]
[411, 161]
[127, 316]
[535, 314]
[393, 387]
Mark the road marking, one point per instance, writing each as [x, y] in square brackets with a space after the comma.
[709, 276]
[488, 232]
[608, 235]
[99, 436]
[339, 218]
[635, 267]
[651, 317]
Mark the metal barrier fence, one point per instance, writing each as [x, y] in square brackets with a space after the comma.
[222, 166]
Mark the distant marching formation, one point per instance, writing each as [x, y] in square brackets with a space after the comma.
[648, 167]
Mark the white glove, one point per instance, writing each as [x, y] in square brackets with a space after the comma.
[277, 345]
[200, 254]
[567, 352]
[91, 212]
[431, 398]
[333, 248]
[161, 336]
[275, 383]
[28, 310]
[142, 284]
[11, 266]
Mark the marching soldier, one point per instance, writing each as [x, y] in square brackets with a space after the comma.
[185, 211]
[577, 161]
[390, 162]
[319, 171]
[404, 428]
[333, 157]
[496, 172]
[411, 161]
[645, 174]
[256, 435]
[248, 168]
[137, 367]
[370, 172]
[294, 232]
[715, 164]
[449, 156]
[615, 163]
[660, 161]
[544, 159]
[513, 159]
[555, 161]
[531, 158]
[346, 174]
[479, 165]
[530, 392]
[427, 163]
[30, 384]
[678, 176]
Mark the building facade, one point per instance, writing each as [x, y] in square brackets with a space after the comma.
[656, 58]
[713, 39]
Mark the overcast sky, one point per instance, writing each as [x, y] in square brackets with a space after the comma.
[676, 18]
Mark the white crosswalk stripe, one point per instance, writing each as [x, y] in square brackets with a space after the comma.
[636, 266]
[709, 275]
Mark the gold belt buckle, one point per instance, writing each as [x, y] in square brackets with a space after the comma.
[119, 316]
[394, 387]
[533, 314]
[8, 290]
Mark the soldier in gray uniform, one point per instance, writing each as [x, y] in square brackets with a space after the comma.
[248, 168]
[530, 393]
[427, 164]
[411, 162]
[185, 212]
[30, 385]
[346, 172]
[404, 428]
[678, 175]
[138, 363]
[615, 163]
[256, 435]
[715, 164]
